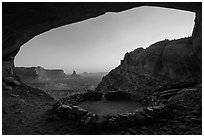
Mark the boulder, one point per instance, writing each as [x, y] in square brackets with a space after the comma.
[12, 81]
[7, 87]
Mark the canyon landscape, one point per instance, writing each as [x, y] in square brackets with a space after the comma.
[153, 91]
[56, 83]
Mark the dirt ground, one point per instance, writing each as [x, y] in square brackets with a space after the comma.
[27, 111]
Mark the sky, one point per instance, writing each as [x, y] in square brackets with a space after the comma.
[98, 44]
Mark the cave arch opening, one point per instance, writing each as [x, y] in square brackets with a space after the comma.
[98, 44]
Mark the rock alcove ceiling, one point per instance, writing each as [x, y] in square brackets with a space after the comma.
[23, 21]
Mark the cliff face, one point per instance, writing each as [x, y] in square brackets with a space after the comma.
[165, 62]
[38, 74]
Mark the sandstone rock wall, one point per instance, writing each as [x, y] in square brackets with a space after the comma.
[163, 62]
[7, 68]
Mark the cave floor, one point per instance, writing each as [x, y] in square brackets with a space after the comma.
[27, 111]
[104, 107]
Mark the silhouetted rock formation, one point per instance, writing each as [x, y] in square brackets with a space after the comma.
[74, 75]
[161, 63]
[38, 74]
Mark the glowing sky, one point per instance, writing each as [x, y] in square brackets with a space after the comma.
[98, 44]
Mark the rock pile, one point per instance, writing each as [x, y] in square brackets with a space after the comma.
[67, 108]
